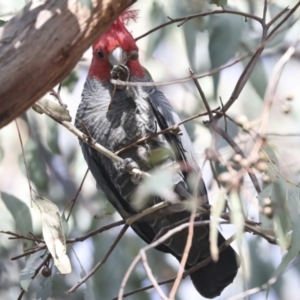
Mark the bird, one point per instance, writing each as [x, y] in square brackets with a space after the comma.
[117, 115]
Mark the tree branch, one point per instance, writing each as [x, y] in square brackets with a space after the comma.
[42, 44]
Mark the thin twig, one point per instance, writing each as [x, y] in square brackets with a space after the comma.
[77, 193]
[265, 11]
[36, 249]
[273, 83]
[57, 96]
[225, 115]
[100, 263]
[284, 19]
[85, 139]
[202, 14]
[167, 130]
[236, 148]
[264, 286]
[95, 232]
[151, 277]
[278, 16]
[198, 266]
[197, 84]
[20, 236]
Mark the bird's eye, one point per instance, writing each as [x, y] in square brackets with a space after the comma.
[134, 55]
[100, 54]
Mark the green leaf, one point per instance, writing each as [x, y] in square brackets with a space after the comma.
[225, 33]
[157, 16]
[89, 291]
[70, 81]
[190, 31]
[52, 136]
[27, 273]
[258, 77]
[216, 211]
[292, 252]
[36, 167]
[261, 267]
[284, 198]
[46, 287]
[159, 184]
[231, 128]
[274, 9]
[218, 2]
[20, 212]
[2, 23]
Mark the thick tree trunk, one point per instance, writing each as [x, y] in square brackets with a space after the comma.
[42, 44]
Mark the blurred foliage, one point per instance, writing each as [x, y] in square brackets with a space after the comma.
[218, 2]
[156, 15]
[225, 32]
[36, 166]
[70, 81]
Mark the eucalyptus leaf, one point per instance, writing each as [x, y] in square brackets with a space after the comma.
[70, 81]
[89, 290]
[52, 136]
[258, 77]
[46, 284]
[27, 273]
[261, 266]
[20, 212]
[225, 33]
[159, 184]
[231, 128]
[157, 16]
[274, 10]
[216, 211]
[281, 195]
[292, 252]
[36, 166]
[53, 234]
[190, 33]
[218, 2]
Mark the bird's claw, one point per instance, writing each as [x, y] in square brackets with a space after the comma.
[120, 72]
[127, 166]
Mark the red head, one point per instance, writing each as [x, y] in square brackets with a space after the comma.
[116, 46]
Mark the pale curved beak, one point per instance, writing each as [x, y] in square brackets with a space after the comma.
[117, 57]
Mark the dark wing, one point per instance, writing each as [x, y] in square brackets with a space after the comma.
[213, 278]
[167, 117]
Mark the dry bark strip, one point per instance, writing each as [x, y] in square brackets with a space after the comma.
[42, 44]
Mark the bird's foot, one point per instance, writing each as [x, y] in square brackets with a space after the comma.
[127, 166]
[120, 72]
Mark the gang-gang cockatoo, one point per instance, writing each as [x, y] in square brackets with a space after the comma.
[117, 116]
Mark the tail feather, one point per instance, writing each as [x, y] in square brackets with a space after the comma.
[211, 280]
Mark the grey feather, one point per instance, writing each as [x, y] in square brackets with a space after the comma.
[128, 119]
